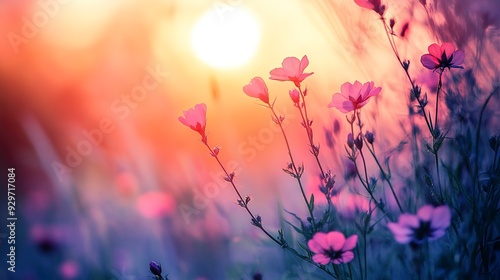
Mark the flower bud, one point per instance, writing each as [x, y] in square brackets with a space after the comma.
[294, 95]
[359, 142]
[369, 137]
[350, 140]
[406, 65]
[155, 268]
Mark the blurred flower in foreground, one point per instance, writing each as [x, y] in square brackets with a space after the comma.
[332, 247]
[374, 5]
[429, 223]
[196, 119]
[155, 268]
[292, 70]
[353, 96]
[441, 57]
[69, 270]
[155, 205]
[258, 89]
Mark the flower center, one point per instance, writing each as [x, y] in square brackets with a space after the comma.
[423, 231]
[332, 254]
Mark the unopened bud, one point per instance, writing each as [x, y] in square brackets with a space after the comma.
[350, 140]
[369, 137]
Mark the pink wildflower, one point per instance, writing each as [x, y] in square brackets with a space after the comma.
[292, 70]
[257, 88]
[353, 96]
[196, 119]
[332, 247]
[429, 223]
[374, 5]
[441, 57]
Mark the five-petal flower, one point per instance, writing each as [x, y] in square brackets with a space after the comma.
[441, 57]
[429, 223]
[332, 247]
[257, 88]
[353, 96]
[196, 119]
[292, 70]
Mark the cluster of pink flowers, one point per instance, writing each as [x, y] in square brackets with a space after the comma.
[429, 223]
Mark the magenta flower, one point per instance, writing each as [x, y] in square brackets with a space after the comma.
[441, 57]
[257, 88]
[295, 96]
[332, 247]
[292, 70]
[353, 96]
[196, 119]
[374, 5]
[429, 223]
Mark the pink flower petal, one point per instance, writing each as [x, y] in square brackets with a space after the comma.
[409, 220]
[321, 259]
[458, 57]
[365, 4]
[448, 49]
[347, 257]
[435, 50]
[278, 74]
[429, 61]
[258, 89]
[425, 213]
[336, 240]
[441, 217]
[318, 243]
[437, 234]
[304, 62]
[401, 234]
[291, 66]
[350, 243]
[339, 102]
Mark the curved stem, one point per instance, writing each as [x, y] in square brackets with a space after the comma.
[283, 244]
[307, 125]
[386, 177]
[294, 166]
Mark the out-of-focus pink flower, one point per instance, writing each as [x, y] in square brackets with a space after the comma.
[353, 96]
[196, 119]
[374, 5]
[292, 70]
[441, 57]
[155, 205]
[257, 88]
[332, 247]
[295, 96]
[69, 270]
[429, 223]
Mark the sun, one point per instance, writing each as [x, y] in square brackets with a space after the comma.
[226, 39]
